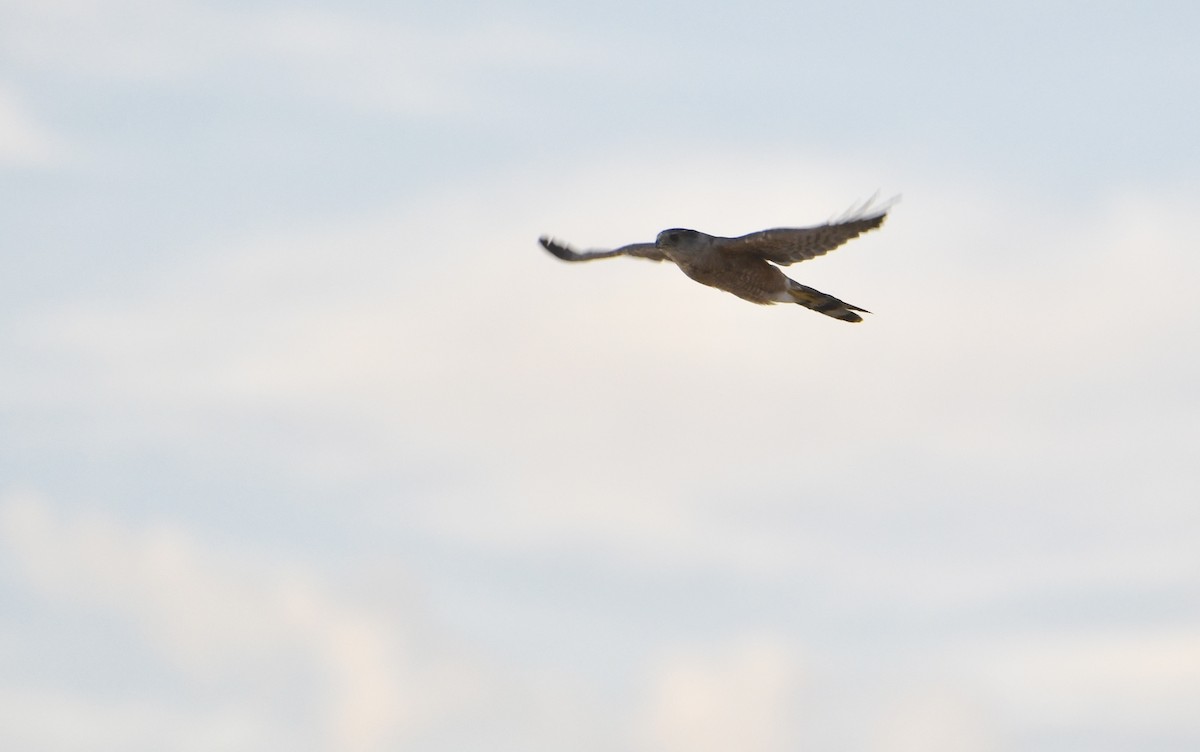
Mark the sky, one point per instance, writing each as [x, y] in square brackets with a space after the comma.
[306, 444]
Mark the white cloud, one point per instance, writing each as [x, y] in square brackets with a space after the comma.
[402, 67]
[237, 629]
[58, 721]
[263, 653]
[395, 65]
[139, 39]
[933, 719]
[1134, 681]
[23, 140]
[743, 695]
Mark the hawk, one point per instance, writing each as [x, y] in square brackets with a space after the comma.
[745, 265]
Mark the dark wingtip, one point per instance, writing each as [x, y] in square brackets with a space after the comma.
[556, 248]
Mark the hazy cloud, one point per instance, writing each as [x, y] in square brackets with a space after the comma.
[23, 139]
[393, 64]
[739, 696]
[326, 454]
[445, 319]
[220, 619]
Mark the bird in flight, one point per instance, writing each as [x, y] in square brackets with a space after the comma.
[745, 265]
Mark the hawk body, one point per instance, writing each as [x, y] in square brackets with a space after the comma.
[748, 277]
[746, 266]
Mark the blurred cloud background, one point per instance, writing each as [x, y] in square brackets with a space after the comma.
[305, 444]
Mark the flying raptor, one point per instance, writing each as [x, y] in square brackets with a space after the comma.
[745, 266]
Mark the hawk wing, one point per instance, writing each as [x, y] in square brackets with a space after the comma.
[566, 253]
[788, 245]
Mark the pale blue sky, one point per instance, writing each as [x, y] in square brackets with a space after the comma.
[305, 444]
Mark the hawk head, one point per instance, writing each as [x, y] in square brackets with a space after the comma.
[679, 238]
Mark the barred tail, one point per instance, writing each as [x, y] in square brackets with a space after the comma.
[822, 303]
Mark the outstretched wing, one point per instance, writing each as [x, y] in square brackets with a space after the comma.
[787, 245]
[566, 253]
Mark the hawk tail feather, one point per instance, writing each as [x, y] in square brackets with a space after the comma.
[823, 303]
